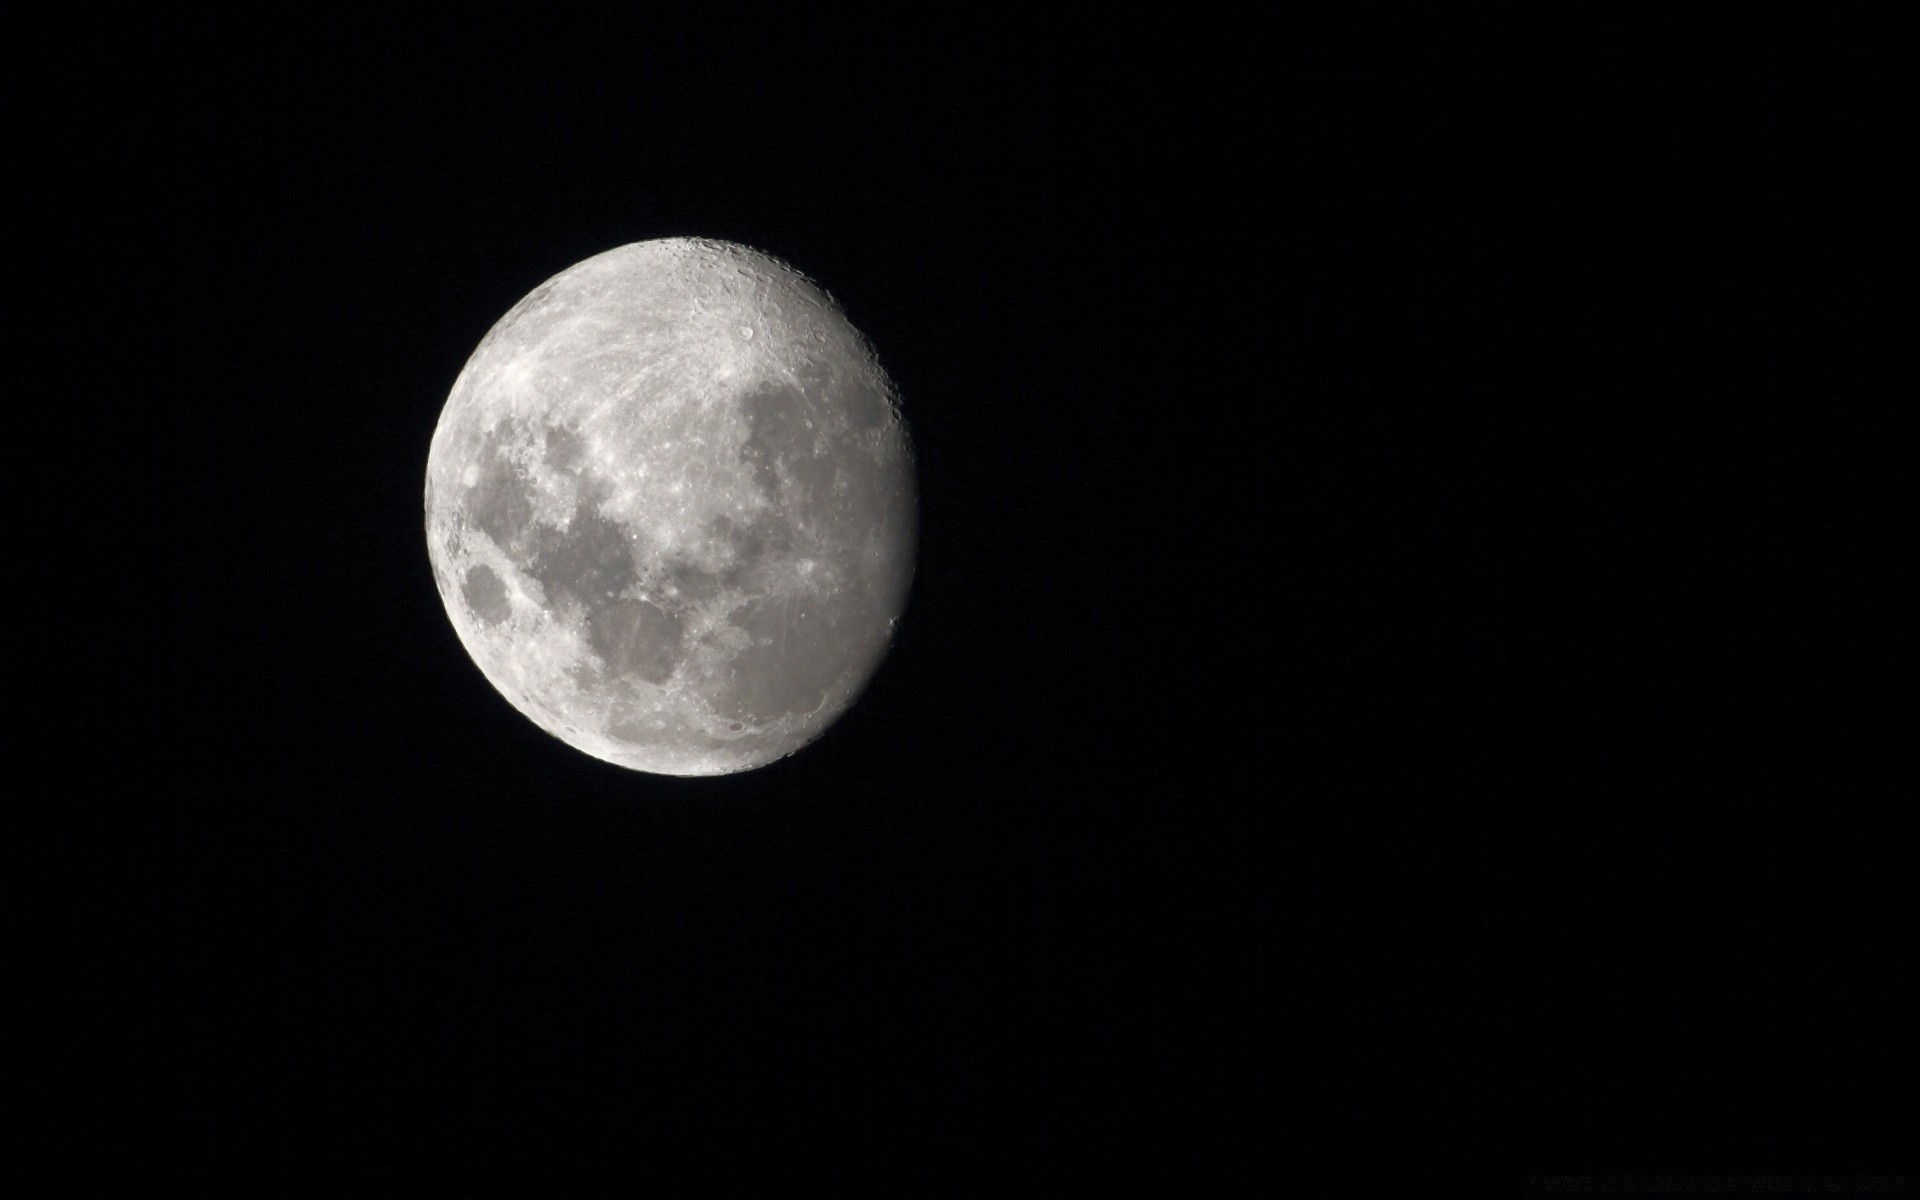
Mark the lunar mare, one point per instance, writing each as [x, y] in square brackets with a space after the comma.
[670, 508]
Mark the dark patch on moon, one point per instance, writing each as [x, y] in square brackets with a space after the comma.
[693, 582]
[768, 433]
[500, 503]
[589, 559]
[865, 407]
[636, 638]
[485, 595]
[689, 581]
[780, 447]
[874, 511]
[565, 448]
[751, 542]
[759, 547]
[794, 659]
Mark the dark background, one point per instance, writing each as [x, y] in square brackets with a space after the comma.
[1381, 485]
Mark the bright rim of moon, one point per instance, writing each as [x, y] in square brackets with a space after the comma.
[670, 508]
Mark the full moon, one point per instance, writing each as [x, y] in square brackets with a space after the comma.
[670, 508]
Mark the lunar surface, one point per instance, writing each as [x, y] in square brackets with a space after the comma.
[670, 508]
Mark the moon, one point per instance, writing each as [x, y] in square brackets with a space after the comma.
[670, 508]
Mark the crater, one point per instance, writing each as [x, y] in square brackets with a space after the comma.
[485, 595]
[636, 638]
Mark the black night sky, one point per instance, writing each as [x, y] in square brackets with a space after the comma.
[1387, 680]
